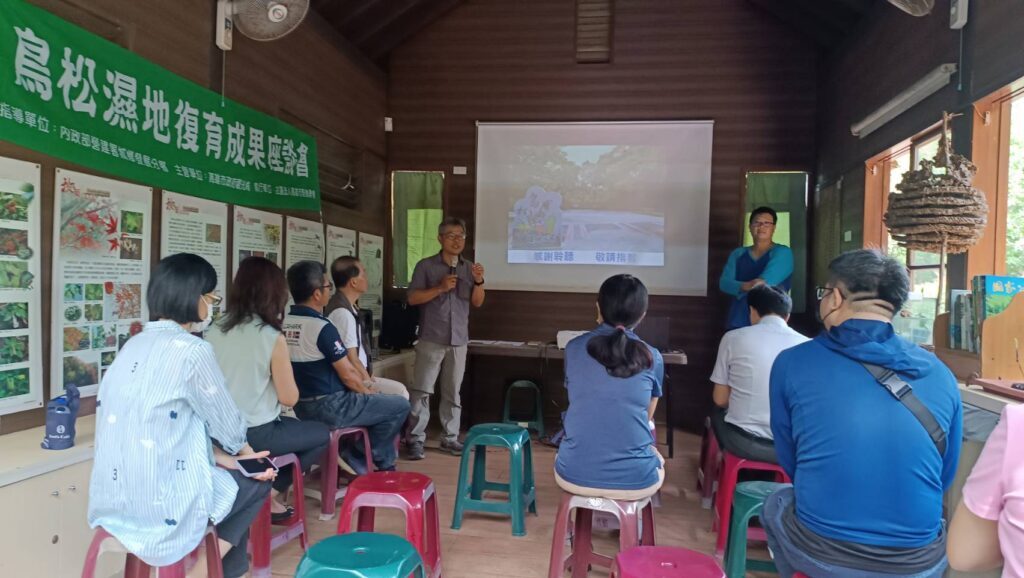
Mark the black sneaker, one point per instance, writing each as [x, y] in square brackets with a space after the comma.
[454, 447]
[414, 451]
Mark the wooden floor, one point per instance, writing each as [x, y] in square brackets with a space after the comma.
[484, 546]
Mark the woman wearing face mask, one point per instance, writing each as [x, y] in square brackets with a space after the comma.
[158, 477]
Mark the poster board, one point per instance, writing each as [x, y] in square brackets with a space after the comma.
[341, 242]
[304, 241]
[102, 232]
[21, 365]
[256, 234]
[371, 253]
[197, 226]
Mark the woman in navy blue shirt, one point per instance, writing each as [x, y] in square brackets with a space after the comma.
[614, 381]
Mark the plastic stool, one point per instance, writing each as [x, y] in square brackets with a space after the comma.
[261, 540]
[361, 555]
[328, 494]
[748, 501]
[520, 489]
[800, 575]
[102, 542]
[582, 556]
[727, 485]
[664, 562]
[707, 475]
[410, 492]
[537, 423]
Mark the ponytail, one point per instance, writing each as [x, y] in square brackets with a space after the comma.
[620, 355]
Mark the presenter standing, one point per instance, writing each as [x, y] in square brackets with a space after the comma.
[444, 285]
[763, 263]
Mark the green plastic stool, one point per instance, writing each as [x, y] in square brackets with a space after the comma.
[537, 423]
[521, 490]
[361, 555]
[748, 501]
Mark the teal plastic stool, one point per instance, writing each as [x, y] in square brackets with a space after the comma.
[521, 489]
[361, 555]
[537, 423]
[748, 501]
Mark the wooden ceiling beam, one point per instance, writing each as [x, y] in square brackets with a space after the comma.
[823, 33]
[378, 46]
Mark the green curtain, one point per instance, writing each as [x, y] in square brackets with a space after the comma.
[786, 192]
[417, 211]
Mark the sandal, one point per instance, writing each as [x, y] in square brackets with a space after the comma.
[279, 517]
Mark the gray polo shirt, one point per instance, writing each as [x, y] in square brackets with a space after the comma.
[445, 318]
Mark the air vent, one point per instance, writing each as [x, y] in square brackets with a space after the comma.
[594, 31]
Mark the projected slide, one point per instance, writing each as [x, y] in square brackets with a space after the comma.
[561, 206]
[598, 217]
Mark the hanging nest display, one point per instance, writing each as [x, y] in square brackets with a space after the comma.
[936, 208]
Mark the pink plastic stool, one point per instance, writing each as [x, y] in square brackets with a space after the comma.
[410, 492]
[727, 485]
[583, 555]
[800, 575]
[664, 562]
[328, 495]
[102, 542]
[707, 475]
[262, 541]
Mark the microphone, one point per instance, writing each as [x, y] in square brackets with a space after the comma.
[452, 268]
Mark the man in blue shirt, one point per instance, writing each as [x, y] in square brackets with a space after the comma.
[868, 478]
[330, 389]
[763, 263]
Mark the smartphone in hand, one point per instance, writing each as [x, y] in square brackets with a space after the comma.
[252, 467]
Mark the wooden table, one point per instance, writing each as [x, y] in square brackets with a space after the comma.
[544, 352]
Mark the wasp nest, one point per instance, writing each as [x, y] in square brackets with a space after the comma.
[936, 208]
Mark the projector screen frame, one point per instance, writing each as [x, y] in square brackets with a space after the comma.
[699, 252]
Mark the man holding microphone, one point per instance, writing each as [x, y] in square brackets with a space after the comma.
[444, 285]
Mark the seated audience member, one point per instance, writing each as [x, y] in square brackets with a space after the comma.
[254, 357]
[745, 358]
[614, 381]
[331, 390]
[869, 474]
[988, 527]
[765, 262]
[350, 283]
[157, 479]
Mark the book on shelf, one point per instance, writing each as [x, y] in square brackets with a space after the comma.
[990, 296]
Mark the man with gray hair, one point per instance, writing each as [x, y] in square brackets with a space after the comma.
[444, 285]
[868, 425]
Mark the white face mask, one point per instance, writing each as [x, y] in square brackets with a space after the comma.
[203, 325]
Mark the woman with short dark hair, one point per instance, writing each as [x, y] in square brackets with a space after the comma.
[157, 479]
[614, 381]
[253, 354]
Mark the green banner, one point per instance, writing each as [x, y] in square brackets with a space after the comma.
[71, 94]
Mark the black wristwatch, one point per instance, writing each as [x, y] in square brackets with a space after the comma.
[477, 283]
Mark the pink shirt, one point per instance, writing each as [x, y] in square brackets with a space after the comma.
[995, 489]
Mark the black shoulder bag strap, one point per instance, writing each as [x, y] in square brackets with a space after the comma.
[904, 393]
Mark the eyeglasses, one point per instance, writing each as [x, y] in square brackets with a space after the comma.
[759, 224]
[823, 291]
[214, 299]
[328, 286]
[456, 236]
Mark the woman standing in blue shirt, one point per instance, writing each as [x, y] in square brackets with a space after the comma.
[614, 381]
[158, 480]
[763, 263]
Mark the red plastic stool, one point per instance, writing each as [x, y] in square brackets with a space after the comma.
[261, 540]
[102, 542]
[583, 555]
[800, 575]
[727, 485]
[328, 494]
[707, 475]
[410, 492]
[664, 562]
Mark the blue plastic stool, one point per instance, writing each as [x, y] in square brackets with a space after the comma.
[521, 489]
[537, 423]
[361, 555]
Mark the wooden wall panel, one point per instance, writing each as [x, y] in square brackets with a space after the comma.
[494, 60]
[311, 73]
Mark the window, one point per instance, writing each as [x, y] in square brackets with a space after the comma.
[884, 173]
[1015, 191]
[416, 211]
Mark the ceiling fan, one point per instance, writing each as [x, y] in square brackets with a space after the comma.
[914, 7]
